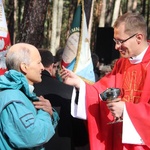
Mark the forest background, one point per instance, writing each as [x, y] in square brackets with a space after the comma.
[46, 23]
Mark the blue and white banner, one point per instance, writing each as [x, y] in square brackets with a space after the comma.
[77, 53]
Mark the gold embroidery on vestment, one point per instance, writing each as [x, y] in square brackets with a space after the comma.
[132, 85]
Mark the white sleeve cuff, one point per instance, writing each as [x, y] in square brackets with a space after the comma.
[79, 110]
[130, 135]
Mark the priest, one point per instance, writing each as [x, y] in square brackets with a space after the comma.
[131, 74]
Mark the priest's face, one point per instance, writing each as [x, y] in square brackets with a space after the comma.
[125, 43]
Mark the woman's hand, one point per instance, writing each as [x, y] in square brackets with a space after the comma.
[43, 104]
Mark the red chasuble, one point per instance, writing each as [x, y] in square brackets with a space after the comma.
[134, 79]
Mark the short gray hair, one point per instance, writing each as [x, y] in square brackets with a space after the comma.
[15, 58]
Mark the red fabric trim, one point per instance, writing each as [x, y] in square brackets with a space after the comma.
[64, 64]
[2, 71]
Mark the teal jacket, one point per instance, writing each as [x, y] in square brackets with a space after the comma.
[22, 126]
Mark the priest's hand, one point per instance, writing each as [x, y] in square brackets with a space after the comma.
[116, 107]
[70, 78]
[43, 104]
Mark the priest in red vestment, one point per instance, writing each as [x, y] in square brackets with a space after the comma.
[131, 73]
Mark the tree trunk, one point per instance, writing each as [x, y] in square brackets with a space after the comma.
[54, 26]
[91, 20]
[87, 8]
[109, 13]
[32, 28]
[143, 7]
[59, 24]
[116, 11]
[102, 15]
[132, 5]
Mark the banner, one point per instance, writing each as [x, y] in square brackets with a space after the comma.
[4, 39]
[77, 53]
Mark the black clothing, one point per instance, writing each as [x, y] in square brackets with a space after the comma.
[71, 133]
[97, 74]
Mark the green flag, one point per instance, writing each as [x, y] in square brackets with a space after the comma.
[77, 53]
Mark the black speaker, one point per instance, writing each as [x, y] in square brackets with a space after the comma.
[105, 46]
